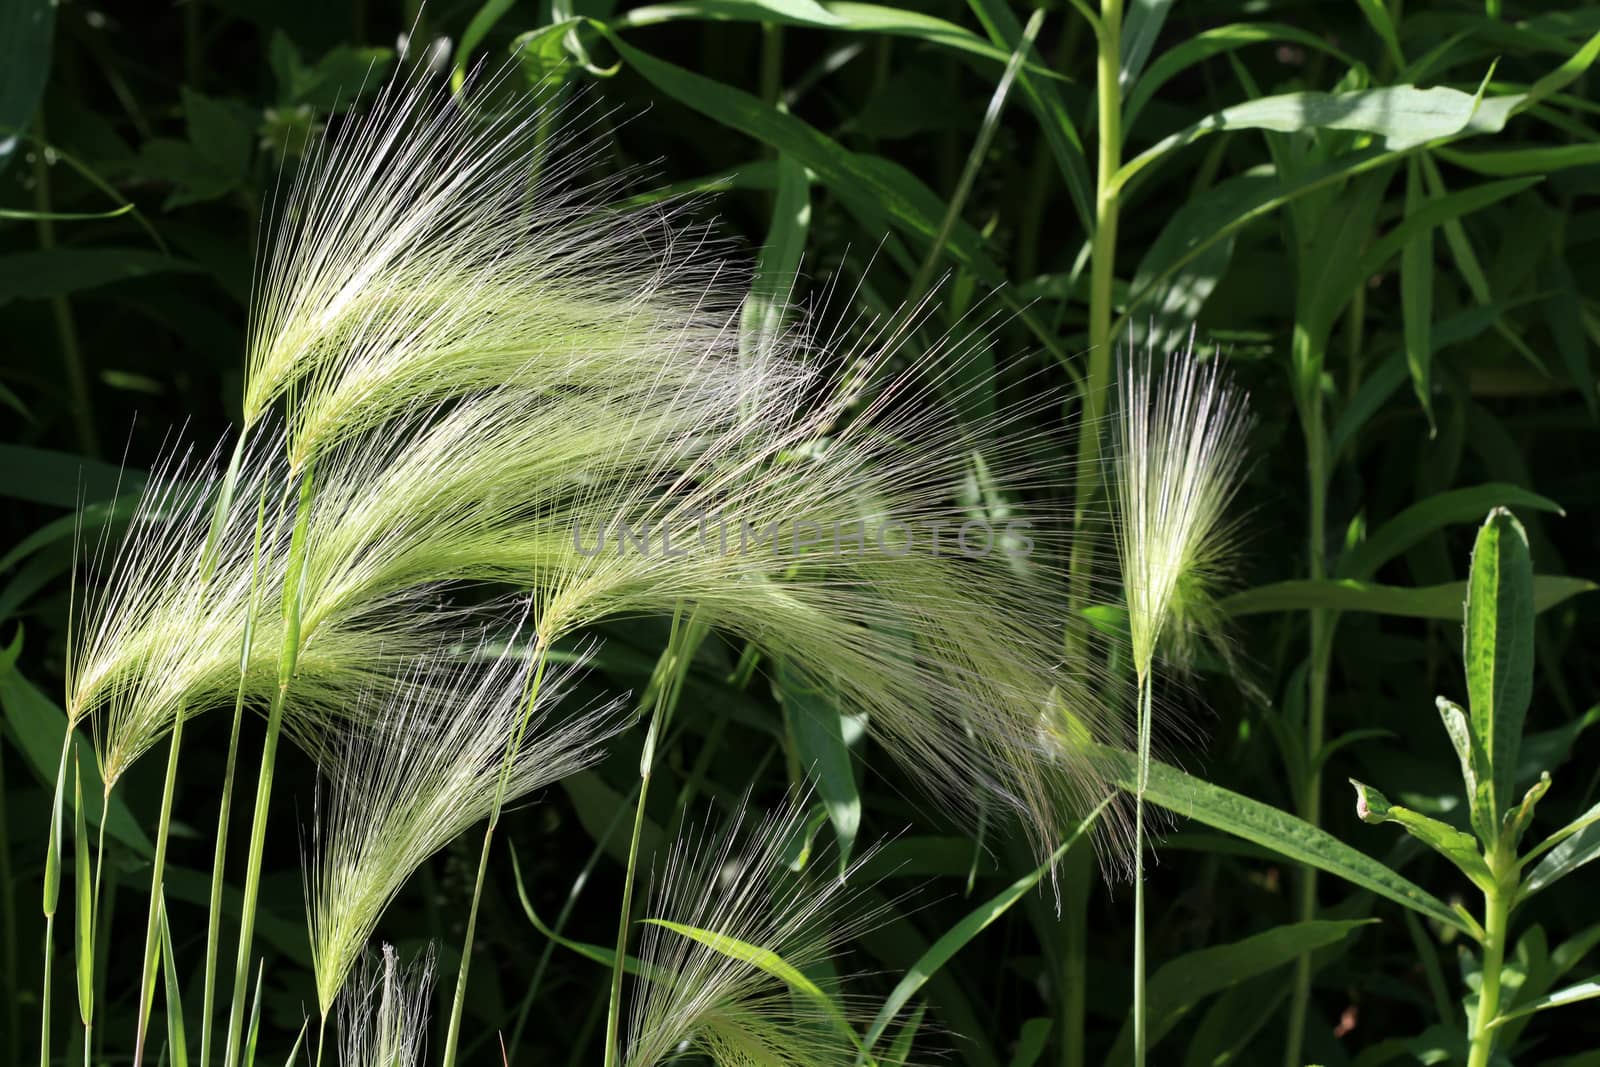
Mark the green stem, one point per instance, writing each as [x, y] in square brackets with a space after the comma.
[1497, 900]
[1321, 626]
[52, 896]
[458, 1004]
[1096, 384]
[288, 655]
[668, 684]
[1145, 715]
[61, 310]
[44, 994]
[152, 931]
[225, 808]
[1102, 273]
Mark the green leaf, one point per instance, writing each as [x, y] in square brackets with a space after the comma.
[818, 728]
[1419, 602]
[1425, 212]
[1045, 100]
[1377, 15]
[1277, 830]
[1141, 25]
[1217, 41]
[1180, 984]
[27, 28]
[1455, 846]
[482, 22]
[59, 479]
[1182, 266]
[1513, 161]
[1474, 770]
[779, 262]
[51, 272]
[974, 923]
[1416, 294]
[1425, 517]
[83, 926]
[871, 186]
[1402, 115]
[255, 1018]
[1499, 646]
[1564, 851]
[849, 17]
[64, 216]
[1573, 994]
[177, 1043]
[1031, 1042]
[768, 962]
[597, 953]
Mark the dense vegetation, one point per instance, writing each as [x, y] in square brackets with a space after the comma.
[1381, 215]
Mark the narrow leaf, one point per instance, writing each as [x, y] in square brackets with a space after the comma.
[1425, 517]
[177, 1043]
[1277, 830]
[951, 942]
[1416, 296]
[1180, 984]
[1455, 846]
[818, 727]
[1419, 602]
[83, 928]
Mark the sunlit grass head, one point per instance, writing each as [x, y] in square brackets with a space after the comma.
[1180, 448]
[422, 768]
[730, 931]
[383, 1018]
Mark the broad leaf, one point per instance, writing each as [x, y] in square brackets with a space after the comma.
[1275, 829]
[1499, 646]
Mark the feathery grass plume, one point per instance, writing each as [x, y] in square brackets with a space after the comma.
[432, 249]
[450, 446]
[1179, 453]
[406, 778]
[731, 930]
[158, 639]
[383, 1018]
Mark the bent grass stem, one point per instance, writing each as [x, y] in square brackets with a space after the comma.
[293, 593]
[458, 1003]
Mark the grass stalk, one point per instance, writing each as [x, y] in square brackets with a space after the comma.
[1145, 715]
[667, 684]
[225, 807]
[458, 1003]
[52, 898]
[1102, 273]
[219, 516]
[1096, 384]
[287, 656]
[1321, 637]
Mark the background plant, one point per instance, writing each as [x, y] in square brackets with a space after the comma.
[1403, 299]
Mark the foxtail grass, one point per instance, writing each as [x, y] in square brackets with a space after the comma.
[1180, 449]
